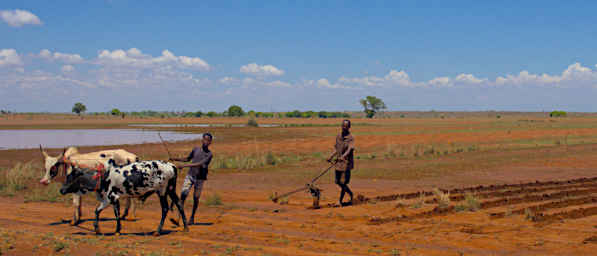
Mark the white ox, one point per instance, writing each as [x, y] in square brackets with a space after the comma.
[89, 160]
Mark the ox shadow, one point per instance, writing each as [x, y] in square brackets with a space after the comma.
[62, 222]
[194, 224]
[150, 233]
[175, 223]
[201, 224]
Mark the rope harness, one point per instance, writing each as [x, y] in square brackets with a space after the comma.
[97, 177]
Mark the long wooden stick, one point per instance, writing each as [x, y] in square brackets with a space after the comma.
[164, 143]
[275, 199]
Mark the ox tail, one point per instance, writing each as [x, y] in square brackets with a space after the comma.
[172, 185]
[172, 188]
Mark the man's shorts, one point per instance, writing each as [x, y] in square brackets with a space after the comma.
[342, 177]
[190, 181]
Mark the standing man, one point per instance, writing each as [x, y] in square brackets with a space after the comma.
[344, 151]
[200, 158]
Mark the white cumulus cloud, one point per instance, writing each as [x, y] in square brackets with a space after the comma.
[67, 68]
[468, 78]
[257, 70]
[58, 56]
[135, 58]
[18, 18]
[440, 81]
[10, 57]
[229, 80]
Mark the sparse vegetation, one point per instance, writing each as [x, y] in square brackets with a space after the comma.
[557, 113]
[213, 199]
[471, 203]
[420, 202]
[252, 122]
[17, 178]
[443, 198]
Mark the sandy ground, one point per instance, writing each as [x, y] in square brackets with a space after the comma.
[249, 224]
[515, 216]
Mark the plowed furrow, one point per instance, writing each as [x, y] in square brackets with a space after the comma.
[488, 204]
[571, 214]
[546, 206]
[511, 193]
[495, 190]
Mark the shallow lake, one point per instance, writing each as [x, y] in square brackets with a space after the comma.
[200, 125]
[19, 139]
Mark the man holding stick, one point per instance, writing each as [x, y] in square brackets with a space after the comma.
[200, 158]
[344, 149]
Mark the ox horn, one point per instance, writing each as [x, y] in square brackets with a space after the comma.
[42, 151]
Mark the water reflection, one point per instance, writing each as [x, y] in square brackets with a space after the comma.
[19, 139]
[200, 125]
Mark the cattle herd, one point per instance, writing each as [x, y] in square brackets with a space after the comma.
[113, 175]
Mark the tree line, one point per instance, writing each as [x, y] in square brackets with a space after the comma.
[371, 105]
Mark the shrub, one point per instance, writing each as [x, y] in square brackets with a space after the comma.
[270, 159]
[212, 114]
[420, 201]
[558, 113]
[16, 178]
[472, 202]
[48, 193]
[213, 200]
[235, 110]
[252, 122]
[115, 112]
[443, 198]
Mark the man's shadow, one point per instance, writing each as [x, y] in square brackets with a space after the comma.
[63, 221]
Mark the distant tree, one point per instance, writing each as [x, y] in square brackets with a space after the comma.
[372, 105]
[115, 112]
[557, 113]
[252, 113]
[265, 114]
[235, 110]
[308, 114]
[212, 114]
[79, 108]
[322, 114]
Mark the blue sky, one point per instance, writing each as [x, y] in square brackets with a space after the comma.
[279, 55]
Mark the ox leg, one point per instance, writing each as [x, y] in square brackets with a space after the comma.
[176, 201]
[98, 210]
[133, 204]
[77, 206]
[116, 206]
[164, 205]
[127, 205]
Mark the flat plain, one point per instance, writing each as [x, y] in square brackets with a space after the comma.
[432, 184]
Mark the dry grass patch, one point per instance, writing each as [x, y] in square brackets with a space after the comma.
[18, 178]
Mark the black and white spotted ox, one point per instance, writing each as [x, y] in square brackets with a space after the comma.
[90, 160]
[112, 182]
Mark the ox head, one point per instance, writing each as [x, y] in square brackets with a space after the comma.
[75, 181]
[51, 165]
[81, 180]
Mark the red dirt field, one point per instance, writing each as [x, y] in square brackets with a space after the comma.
[534, 196]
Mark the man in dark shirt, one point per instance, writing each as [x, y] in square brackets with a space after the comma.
[344, 150]
[200, 158]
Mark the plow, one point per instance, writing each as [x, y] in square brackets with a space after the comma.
[309, 187]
